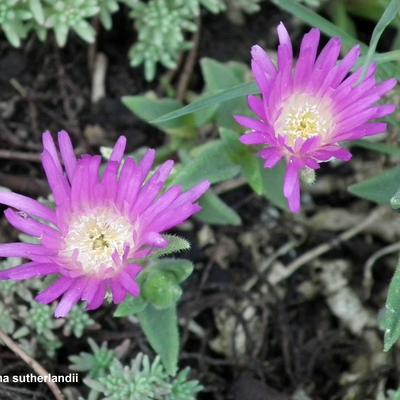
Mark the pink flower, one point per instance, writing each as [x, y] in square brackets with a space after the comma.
[308, 107]
[103, 225]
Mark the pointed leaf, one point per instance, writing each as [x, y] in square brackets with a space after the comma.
[180, 268]
[391, 319]
[215, 211]
[130, 306]
[149, 109]
[212, 164]
[161, 330]
[241, 90]
[161, 289]
[379, 189]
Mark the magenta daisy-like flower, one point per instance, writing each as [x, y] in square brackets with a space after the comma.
[308, 107]
[102, 226]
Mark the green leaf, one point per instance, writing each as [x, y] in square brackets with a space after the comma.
[246, 158]
[241, 90]
[212, 164]
[384, 148]
[176, 245]
[161, 330]
[217, 75]
[149, 109]
[391, 319]
[273, 184]
[312, 18]
[342, 18]
[37, 10]
[85, 31]
[161, 289]
[395, 200]
[130, 306]
[215, 211]
[387, 17]
[179, 267]
[379, 189]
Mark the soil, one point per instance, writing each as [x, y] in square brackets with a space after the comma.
[272, 339]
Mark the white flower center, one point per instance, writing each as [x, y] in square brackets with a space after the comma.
[95, 237]
[303, 117]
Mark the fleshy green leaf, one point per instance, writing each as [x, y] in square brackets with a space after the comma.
[387, 17]
[217, 212]
[161, 330]
[313, 19]
[130, 306]
[241, 90]
[180, 268]
[212, 164]
[384, 148]
[149, 109]
[391, 319]
[37, 10]
[379, 189]
[217, 75]
[161, 289]
[246, 158]
[273, 184]
[220, 76]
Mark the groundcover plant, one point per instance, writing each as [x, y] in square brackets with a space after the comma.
[169, 253]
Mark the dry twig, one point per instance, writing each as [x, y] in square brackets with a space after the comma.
[325, 247]
[32, 364]
[189, 65]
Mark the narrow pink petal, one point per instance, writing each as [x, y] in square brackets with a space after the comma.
[263, 68]
[23, 250]
[255, 138]
[193, 194]
[251, 123]
[383, 111]
[285, 51]
[133, 270]
[55, 290]
[271, 156]
[385, 86]
[110, 180]
[50, 147]
[147, 162]
[56, 179]
[294, 198]
[127, 174]
[90, 290]
[118, 150]
[67, 153]
[28, 225]
[257, 106]
[29, 270]
[118, 291]
[345, 65]
[291, 176]
[28, 205]
[98, 298]
[70, 298]
[129, 284]
[328, 56]
[160, 205]
[174, 217]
